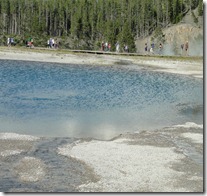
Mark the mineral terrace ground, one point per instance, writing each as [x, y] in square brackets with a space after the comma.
[167, 160]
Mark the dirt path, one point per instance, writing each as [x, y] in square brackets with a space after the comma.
[192, 66]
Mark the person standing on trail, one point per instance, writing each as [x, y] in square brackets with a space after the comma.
[50, 40]
[126, 48]
[153, 46]
[53, 42]
[151, 51]
[145, 48]
[109, 46]
[8, 42]
[48, 43]
[160, 48]
[102, 46]
[12, 41]
[186, 47]
[182, 47]
[117, 46]
[106, 46]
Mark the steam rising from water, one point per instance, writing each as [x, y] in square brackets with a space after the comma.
[195, 49]
[195, 46]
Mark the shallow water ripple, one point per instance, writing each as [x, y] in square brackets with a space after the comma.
[47, 99]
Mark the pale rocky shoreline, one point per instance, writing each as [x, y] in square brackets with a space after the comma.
[182, 65]
[165, 160]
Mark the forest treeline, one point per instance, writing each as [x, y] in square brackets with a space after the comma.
[88, 22]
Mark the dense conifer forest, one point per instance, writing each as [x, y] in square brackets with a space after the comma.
[89, 22]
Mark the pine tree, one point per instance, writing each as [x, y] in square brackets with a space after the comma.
[91, 20]
[126, 38]
[200, 8]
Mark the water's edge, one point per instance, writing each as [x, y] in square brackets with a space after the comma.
[60, 172]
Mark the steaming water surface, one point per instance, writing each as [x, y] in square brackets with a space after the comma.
[46, 99]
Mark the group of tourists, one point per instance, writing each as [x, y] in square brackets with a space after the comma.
[152, 47]
[105, 46]
[52, 43]
[184, 48]
[29, 43]
[125, 47]
[10, 42]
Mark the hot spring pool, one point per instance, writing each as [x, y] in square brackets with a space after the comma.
[46, 99]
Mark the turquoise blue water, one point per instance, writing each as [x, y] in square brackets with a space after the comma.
[50, 99]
